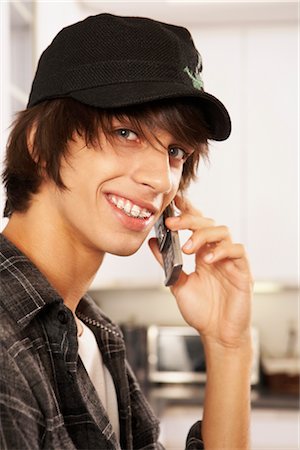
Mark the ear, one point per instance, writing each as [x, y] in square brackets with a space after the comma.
[30, 138]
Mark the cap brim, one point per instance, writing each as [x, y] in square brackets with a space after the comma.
[128, 94]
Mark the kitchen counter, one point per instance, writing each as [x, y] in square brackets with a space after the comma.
[161, 396]
[270, 428]
[263, 398]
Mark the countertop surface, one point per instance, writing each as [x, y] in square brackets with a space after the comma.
[161, 395]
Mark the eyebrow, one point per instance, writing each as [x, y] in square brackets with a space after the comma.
[127, 121]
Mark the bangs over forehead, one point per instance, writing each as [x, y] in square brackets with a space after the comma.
[180, 118]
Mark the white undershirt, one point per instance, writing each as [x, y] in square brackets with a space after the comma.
[91, 357]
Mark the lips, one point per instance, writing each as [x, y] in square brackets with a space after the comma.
[129, 208]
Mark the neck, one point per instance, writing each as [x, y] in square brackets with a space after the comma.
[68, 264]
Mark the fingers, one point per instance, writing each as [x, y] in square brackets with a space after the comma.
[204, 230]
[190, 218]
[209, 242]
[225, 250]
[206, 236]
[213, 244]
[231, 256]
[189, 221]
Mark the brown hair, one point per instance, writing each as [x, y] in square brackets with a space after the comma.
[55, 122]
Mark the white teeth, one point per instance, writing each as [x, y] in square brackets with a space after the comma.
[114, 200]
[135, 211]
[129, 208]
[145, 214]
[120, 204]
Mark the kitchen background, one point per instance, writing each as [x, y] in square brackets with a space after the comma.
[251, 62]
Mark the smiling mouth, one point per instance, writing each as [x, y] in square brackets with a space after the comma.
[129, 208]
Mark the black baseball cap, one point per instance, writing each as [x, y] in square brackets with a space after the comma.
[110, 61]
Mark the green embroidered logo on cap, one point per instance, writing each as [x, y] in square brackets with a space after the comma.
[196, 78]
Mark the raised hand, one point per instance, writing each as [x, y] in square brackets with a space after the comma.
[216, 297]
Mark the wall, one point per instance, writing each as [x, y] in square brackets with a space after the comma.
[252, 182]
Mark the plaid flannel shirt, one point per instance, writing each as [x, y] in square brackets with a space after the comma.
[47, 400]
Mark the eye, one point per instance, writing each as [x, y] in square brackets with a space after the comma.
[177, 153]
[127, 134]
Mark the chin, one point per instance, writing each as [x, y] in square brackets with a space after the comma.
[127, 248]
[124, 251]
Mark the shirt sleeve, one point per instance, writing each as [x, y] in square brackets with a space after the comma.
[194, 438]
[20, 418]
[146, 425]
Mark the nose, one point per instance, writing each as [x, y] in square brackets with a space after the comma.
[153, 170]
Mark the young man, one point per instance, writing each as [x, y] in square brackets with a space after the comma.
[115, 125]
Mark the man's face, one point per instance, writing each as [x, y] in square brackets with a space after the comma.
[118, 189]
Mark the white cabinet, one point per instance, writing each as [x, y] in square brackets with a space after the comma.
[271, 139]
[218, 192]
[252, 184]
[17, 49]
[21, 53]
[274, 429]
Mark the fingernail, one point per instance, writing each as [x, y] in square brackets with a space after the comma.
[209, 257]
[188, 245]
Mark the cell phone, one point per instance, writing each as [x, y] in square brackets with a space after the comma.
[169, 246]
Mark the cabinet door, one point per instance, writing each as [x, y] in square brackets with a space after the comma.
[218, 191]
[271, 146]
[16, 49]
[251, 183]
[274, 429]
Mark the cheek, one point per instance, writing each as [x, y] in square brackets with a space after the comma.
[176, 176]
[175, 179]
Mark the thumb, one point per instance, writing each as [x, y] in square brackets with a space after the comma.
[155, 250]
